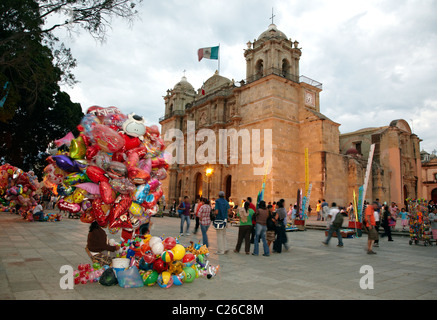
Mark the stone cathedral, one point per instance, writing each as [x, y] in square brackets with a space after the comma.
[283, 108]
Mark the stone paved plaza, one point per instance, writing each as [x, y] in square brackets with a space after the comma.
[32, 253]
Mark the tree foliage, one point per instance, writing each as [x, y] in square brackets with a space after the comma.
[33, 64]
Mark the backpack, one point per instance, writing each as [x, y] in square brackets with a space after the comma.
[338, 221]
[243, 214]
[182, 209]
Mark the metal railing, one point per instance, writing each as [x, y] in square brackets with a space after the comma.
[284, 74]
[171, 114]
[310, 81]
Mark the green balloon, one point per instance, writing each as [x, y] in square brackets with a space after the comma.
[151, 278]
[190, 274]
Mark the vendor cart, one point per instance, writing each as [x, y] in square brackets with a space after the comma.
[420, 230]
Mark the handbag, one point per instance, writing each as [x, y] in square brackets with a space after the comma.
[219, 224]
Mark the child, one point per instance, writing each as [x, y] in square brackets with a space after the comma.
[405, 218]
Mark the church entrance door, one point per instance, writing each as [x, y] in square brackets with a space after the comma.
[198, 186]
[434, 195]
[228, 187]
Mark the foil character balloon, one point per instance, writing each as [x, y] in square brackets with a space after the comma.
[134, 126]
[122, 185]
[138, 176]
[115, 169]
[107, 139]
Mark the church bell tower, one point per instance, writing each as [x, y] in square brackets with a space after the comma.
[273, 53]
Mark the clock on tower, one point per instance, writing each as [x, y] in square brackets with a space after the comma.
[310, 99]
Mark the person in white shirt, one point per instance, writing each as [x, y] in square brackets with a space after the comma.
[38, 213]
[377, 224]
[333, 225]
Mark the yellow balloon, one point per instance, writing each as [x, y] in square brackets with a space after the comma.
[178, 251]
[165, 277]
[79, 195]
[136, 209]
[77, 148]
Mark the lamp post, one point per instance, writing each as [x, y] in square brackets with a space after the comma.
[208, 173]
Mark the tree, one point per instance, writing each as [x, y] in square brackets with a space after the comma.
[24, 22]
[32, 65]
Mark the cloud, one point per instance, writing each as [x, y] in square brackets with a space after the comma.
[376, 59]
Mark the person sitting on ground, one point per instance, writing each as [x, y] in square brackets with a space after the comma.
[38, 213]
[98, 243]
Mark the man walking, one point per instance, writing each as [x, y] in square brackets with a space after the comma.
[185, 216]
[370, 223]
[335, 223]
[325, 210]
[222, 210]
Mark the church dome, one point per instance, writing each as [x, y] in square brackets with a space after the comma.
[272, 32]
[216, 82]
[352, 152]
[183, 85]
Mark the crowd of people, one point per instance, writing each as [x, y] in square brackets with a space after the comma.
[265, 224]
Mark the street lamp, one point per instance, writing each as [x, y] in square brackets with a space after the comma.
[208, 173]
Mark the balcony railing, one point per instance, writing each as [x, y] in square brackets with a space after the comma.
[171, 114]
[283, 74]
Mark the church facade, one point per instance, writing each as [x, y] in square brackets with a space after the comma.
[270, 125]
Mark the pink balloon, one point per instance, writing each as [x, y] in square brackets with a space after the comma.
[90, 187]
[107, 139]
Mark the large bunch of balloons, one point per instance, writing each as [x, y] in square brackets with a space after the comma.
[149, 260]
[112, 170]
[166, 262]
[17, 188]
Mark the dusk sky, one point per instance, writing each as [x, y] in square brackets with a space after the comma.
[376, 60]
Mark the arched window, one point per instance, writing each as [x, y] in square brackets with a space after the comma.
[259, 68]
[285, 68]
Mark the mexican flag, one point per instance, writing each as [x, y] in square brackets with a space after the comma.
[208, 53]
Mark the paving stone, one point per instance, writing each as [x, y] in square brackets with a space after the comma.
[31, 255]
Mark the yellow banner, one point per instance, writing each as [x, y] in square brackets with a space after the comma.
[307, 175]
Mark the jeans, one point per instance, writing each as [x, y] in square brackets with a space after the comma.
[204, 229]
[39, 216]
[185, 218]
[260, 232]
[331, 231]
[197, 225]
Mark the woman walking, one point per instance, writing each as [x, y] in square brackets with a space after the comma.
[245, 229]
[281, 238]
[261, 228]
[385, 223]
[205, 220]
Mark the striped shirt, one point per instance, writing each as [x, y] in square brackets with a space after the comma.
[204, 215]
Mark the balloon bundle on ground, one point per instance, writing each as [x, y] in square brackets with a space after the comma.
[161, 260]
[17, 188]
[111, 172]
[88, 273]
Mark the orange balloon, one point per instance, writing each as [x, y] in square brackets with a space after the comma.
[145, 247]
